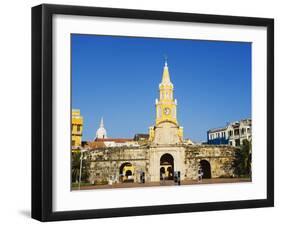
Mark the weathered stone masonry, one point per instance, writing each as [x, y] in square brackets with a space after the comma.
[106, 163]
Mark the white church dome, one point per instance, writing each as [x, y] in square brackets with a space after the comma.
[101, 132]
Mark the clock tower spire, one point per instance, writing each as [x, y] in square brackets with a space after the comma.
[166, 105]
[166, 129]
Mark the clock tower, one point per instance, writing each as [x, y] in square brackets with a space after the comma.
[166, 129]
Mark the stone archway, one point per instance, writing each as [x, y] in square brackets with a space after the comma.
[206, 169]
[126, 172]
[166, 167]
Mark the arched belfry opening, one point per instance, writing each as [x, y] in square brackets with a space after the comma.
[166, 167]
[206, 169]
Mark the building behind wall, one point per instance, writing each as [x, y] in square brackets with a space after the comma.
[76, 129]
[217, 136]
[239, 131]
[232, 134]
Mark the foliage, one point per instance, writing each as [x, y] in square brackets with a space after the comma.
[242, 162]
[76, 185]
[75, 168]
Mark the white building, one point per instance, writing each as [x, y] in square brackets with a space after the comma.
[233, 133]
[239, 131]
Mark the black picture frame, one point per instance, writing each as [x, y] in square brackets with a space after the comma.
[42, 111]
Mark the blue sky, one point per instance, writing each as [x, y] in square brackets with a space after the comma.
[118, 78]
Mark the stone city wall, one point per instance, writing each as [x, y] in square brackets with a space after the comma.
[107, 163]
[219, 157]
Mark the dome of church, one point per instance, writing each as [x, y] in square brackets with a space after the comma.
[101, 132]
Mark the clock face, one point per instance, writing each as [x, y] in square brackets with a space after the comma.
[167, 111]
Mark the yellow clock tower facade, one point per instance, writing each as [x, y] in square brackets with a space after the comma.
[166, 129]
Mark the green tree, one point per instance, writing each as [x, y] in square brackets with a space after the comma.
[242, 162]
[75, 167]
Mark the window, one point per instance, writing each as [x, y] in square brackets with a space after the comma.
[73, 142]
[78, 128]
[243, 131]
[236, 132]
[237, 142]
[230, 143]
[230, 133]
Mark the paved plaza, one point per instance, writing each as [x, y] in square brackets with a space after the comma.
[165, 183]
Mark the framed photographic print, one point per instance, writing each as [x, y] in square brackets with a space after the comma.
[145, 112]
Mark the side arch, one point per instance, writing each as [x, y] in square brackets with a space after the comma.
[206, 169]
[126, 172]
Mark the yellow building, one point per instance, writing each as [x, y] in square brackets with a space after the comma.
[76, 129]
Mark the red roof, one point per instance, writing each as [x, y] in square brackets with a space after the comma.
[96, 144]
[117, 140]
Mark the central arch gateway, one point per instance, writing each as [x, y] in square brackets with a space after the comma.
[166, 167]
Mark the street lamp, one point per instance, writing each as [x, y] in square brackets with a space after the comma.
[80, 171]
